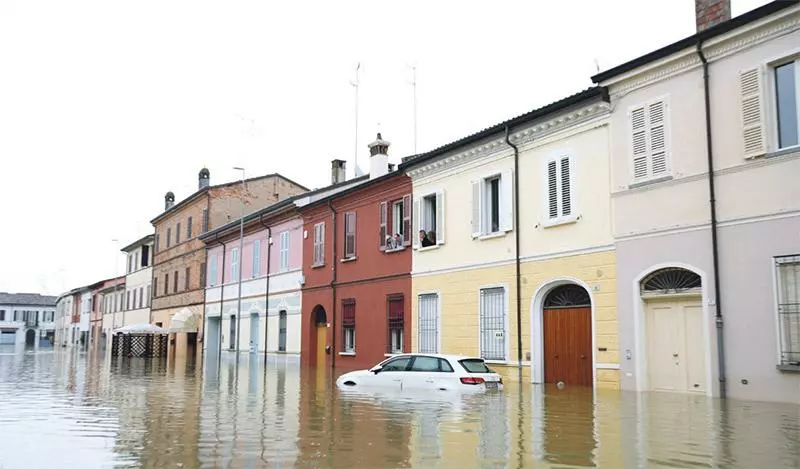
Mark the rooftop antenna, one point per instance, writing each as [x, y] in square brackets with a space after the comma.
[355, 148]
[414, 87]
[597, 65]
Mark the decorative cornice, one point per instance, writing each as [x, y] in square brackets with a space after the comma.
[495, 146]
[716, 49]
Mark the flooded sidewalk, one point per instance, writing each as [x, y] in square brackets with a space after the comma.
[66, 409]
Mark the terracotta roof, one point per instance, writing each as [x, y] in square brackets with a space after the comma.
[27, 299]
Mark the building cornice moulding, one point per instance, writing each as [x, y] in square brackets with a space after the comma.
[714, 49]
[520, 138]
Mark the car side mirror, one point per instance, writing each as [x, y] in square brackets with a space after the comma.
[376, 369]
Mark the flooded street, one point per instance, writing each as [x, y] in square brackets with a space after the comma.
[66, 409]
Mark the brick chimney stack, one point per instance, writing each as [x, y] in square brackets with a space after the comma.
[709, 13]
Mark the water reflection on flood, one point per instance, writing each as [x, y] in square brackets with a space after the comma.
[64, 409]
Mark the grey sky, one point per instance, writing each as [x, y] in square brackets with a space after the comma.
[106, 105]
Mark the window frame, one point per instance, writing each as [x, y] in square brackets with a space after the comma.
[318, 254]
[235, 264]
[256, 271]
[507, 343]
[418, 216]
[348, 327]
[560, 218]
[770, 99]
[645, 105]
[350, 236]
[283, 250]
[391, 326]
[777, 262]
[213, 273]
[437, 316]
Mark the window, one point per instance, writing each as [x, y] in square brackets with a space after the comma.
[284, 250]
[175, 282]
[256, 258]
[166, 284]
[133, 303]
[234, 264]
[130, 263]
[559, 189]
[155, 289]
[128, 300]
[428, 329]
[178, 233]
[395, 224]
[492, 210]
[203, 275]
[649, 140]
[145, 256]
[147, 298]
[205, 220]
[212, 270]
[492, 324]
[319, 244]
[350, 235]
[788, 278]
[186, 279]
[429, 217]
[349, 325]
[396, 364]
[158, 241]
[189, 228]
[169, 237]
[395, 323]
[2, 315]
[431, 364]
[787, 91]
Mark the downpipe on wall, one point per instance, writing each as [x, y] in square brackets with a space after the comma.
[516, 252]
[266, 297]
[723, 391]
[333, 288]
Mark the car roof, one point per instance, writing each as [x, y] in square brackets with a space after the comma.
[437, 355]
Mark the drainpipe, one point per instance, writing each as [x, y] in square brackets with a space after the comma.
[714, 242]
[266, 299]
[221, 304]
[516, 252]
[334, 262]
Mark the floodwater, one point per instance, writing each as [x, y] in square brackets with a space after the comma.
[63, 409]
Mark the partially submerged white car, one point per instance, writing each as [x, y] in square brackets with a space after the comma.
[423, 371]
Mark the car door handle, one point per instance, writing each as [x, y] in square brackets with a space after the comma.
[429, 380]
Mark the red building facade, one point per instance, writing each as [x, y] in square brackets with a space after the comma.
[357, 289]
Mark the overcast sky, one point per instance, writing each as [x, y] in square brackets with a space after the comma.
[106, 105]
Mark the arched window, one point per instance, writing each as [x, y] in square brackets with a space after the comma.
[320, 317]
[670, 280]
[567, 296]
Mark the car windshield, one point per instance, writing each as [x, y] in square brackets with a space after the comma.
[475, 366]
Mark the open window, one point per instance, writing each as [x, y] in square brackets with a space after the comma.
[395, 224]
[428, 213]
[492, 200]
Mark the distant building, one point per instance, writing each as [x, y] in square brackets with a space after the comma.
[138, 281]
[73, 312]
[102, 293]
[27, 318]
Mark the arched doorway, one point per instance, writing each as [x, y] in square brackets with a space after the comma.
[30, 337]
[320, 334]
[673, 330]
[567, 336]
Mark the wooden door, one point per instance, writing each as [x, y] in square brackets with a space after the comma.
[675, 353]
[568, 346]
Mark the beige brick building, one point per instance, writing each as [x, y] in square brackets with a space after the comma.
[180, 256]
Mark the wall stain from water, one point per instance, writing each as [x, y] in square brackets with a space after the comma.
[67, 409]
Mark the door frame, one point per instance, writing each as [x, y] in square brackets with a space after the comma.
[640, 330]
[537, 322]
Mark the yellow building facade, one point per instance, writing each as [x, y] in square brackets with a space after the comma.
[563, 328]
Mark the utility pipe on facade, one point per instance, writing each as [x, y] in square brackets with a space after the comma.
[516, 252]
[723, 391]
[240, 259]
[334, 262]
[266, 298]
[221, 307]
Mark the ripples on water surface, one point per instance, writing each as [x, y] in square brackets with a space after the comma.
[64, 409]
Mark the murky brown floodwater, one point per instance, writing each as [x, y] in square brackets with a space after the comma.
[63, 409]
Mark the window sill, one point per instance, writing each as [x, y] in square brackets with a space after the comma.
[485, 237]
[390, 355]
[648, 182]
[390, 251]
[781, 152]
[428, 248]
[317, 266]
[347, 354]
[789, 368]
[349, 259]
[496, 362]
[560, 221]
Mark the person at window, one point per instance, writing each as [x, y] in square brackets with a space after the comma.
[390, 243]
[424, 239]
[398, 241]
[432, 237]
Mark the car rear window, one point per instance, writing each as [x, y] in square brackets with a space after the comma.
[475, 366]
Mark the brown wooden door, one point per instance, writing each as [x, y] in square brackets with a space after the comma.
[568, 346]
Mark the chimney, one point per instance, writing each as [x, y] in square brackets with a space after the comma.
[338, 171]
[169, 201]
[710, 13]
[204, 179]
[391, 167]
[378, 157]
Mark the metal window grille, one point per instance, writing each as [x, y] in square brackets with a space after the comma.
[428, 324]
[788, 275]
[493, 324]
[349, 324]
[395, 325]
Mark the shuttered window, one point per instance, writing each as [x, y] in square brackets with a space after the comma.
[178, 234]
[234, 264]
[493, 324]
[395, 324]
[212, 271]
[319, 244]
[428, 215]
[492, 204]
[559, 184]
[649, 140]
[428, 323]
[186, 282]
[189, 228]
[349, 235]
[169, 237]
[175, 282]
[284, 250]
[787, 101]
[256, 258]
[205, 220]
[349, 324]
[788, 279]
[383, 229]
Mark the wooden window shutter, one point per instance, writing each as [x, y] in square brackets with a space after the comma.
[639, 143]
[205, 220]
[552, 190]
[350, 235]
[657, 121]
[383, 228]
[750, 89]
[566, 187]
[440, 217]
[407, 234]
[417, 213]
[507, 200]
[476, 208]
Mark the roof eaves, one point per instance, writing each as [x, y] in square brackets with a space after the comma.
[716, 30]
[139, 242]
[270, 210]
[367, 182]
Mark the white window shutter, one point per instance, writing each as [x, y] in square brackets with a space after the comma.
[384, 208]
[657, 130]
[476, 208]
[552, 190]
[565, 192]
[639, 143]
[507, 200]
[750, 89]
[440, 217]
[416, 214]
